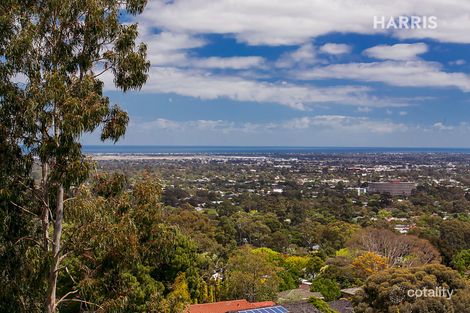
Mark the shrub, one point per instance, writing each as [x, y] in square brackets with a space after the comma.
[321, 305]
[327, 287]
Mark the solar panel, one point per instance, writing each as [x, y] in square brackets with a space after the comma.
[272, 309]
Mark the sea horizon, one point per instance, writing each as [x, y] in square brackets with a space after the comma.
[216, 149]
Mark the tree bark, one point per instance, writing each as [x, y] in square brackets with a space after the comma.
[54, 269]
[45, 209]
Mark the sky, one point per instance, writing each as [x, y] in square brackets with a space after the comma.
[301, 73]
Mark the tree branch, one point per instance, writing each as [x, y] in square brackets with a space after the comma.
[28, 238]
[102, 72]
[24, 209]
[68, 273]
[65, 296]
[81, 301]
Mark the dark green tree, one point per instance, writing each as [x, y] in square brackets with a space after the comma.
[454, 236]
[387, 291]
[61, 49]
[461, 261]
[123, 256]
[327, 287]
[21, 254]
[250, 276]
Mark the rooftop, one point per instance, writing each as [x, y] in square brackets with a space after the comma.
[227, 306]
[295, 295]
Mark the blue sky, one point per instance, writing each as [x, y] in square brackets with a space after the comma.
[301, 72]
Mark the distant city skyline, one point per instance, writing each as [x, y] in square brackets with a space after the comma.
[262, 73]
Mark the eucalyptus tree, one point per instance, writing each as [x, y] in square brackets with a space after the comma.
[59, 51]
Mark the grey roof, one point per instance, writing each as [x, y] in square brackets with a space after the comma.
[342, 306]
[295, 295]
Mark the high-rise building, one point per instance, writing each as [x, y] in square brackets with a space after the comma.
[394, 188]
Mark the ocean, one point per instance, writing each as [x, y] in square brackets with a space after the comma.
[124, 149]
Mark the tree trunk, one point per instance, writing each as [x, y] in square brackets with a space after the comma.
[45, 209]
[54, 269]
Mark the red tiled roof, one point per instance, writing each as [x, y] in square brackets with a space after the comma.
[226, 306]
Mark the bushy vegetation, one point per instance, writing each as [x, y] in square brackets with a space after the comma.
[387, 291]
[76, 236]
[321, 305]
[328, 288]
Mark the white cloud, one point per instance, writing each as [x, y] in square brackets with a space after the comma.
[335, 48]
[297, 21]
[170, 48]
[320, 130]
[304, 55]
[197, 125]
[167, 41]
[346, 124]
[221, 126]
[442, 126]
[458, 62]
[396, 73]
[401, 52]
[319, 123]
[160, 123]
[205, 85]
[184, 22]
[364, 109]
[238, 63]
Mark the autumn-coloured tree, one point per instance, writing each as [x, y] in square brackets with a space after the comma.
[179, 297]
[56, 52]
[369, 263]
[399, 250]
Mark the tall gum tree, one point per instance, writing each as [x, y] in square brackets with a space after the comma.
[59, 50]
